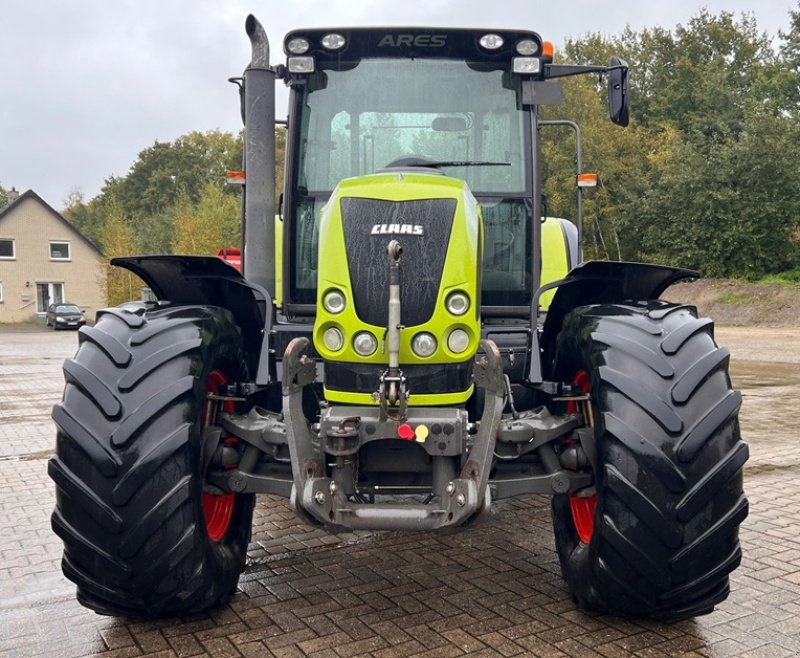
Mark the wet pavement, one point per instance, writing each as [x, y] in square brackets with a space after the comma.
[492, 590]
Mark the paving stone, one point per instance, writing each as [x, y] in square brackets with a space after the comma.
[492, 590]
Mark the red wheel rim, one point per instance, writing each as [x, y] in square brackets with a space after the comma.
[582, 508]
[218, 510]
[583, 516]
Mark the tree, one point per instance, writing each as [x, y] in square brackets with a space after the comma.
[209, 225]
[121, 285]
[166, 170]
[786, 87]
[77, 213]
[703, 177]
[161, 175]
[730, 210]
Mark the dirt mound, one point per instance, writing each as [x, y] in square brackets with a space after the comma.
[734, 303]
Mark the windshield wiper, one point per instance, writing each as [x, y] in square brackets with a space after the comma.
[468, 163]
[416, 161]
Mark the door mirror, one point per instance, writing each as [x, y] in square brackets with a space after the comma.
[618, 91]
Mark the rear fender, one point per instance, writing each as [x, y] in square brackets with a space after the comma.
[209, 281]
[599, 282]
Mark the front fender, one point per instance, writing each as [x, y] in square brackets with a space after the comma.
[601, 282]
[209, 281]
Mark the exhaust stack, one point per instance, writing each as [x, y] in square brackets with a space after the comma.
[258, 227]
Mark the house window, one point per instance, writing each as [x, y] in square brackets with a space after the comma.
[7, 249]
[59, 250]
[1, 292]
[48, 293]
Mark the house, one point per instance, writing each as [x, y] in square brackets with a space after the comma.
[45, 260]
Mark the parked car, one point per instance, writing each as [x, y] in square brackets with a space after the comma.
[64, 316]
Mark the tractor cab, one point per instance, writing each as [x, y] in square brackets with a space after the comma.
[395, 102]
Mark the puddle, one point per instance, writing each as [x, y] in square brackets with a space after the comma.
[761, 469]
[758, 374]
[28, 457]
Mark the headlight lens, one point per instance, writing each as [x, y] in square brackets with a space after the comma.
[491, 41]
[424, 344]
[304, 64]
[526, 65]
[365, 343]
[458, 341]
[334, 301]
[300, 46]
[333, 339]
[333, 41]
[527, 47]
[457, 303]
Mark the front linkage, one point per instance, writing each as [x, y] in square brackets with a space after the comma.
[323, 456]
[343, 431]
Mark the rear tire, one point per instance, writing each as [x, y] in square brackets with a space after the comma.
[128, 467]
[662, 534]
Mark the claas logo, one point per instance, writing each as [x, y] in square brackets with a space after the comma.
[396, 229]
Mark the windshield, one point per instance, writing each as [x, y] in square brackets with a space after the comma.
[361, 119]
[67, 309]
[356, 118]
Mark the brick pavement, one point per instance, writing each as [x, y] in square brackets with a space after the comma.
[492, 590]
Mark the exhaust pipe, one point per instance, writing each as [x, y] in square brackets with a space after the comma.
[258, 42]
[258, 227]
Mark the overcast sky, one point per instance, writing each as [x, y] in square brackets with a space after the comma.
[85, 85]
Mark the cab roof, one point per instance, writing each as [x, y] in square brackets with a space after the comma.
[456, 43]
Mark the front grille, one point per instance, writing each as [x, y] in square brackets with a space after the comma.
[420, 266]
[420, 379]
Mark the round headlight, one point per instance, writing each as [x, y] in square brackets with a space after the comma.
[491, 41]
[458, 341]
[298, 46]
[333, 339]
[365, 343]
[457, 303]
[424, 344]
[333, 301]
[527, 47]
[333, 41]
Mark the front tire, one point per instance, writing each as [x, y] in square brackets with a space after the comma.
[660, 535]
[130, 505]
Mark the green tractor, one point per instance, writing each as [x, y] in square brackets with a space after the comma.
[417, 342]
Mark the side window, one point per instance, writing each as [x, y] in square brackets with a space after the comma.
[506, 253]
[7, 249]
[502, 139]
[59, 250]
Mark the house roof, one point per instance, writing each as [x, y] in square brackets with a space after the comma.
[30, 194]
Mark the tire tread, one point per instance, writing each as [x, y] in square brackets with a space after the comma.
[670, 498]
[128, 505]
